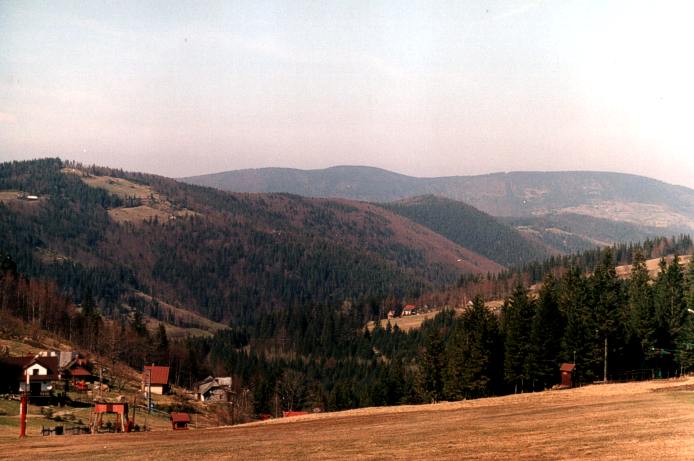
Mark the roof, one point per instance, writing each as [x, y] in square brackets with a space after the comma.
[20, 362]
[159, 375]
[567, 367]
[49, 363]
[79, 371]
[210, 383]
[180, 417]
[409, 307]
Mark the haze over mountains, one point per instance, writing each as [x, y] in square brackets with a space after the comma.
[563, 210]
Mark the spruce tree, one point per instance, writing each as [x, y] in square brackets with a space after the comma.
[641, 310]
[519, 314]
[546, 337]
[432, 366]
[579, 331]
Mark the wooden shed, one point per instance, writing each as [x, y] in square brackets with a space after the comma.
[180, 421]
[567, 371]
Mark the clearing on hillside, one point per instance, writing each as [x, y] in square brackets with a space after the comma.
[646, 420]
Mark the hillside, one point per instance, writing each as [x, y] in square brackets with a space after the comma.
[638, 421]
[612, 196]
[571, 232]
[471, 228]
[225, 256]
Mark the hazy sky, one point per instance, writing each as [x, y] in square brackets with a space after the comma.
[421, 88]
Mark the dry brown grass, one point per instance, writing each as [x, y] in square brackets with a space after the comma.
[617, 422]
[121, 187]
[197, 324]
[154, 204]
[633, 212]
[652, 266]
[415, 321]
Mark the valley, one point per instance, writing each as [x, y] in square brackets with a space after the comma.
[646, 420]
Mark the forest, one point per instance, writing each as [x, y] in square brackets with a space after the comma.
[319, 356]
[297, 295]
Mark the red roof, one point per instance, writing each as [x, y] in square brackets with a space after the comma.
[160, 375]
[409, 307]
[17, 361]
[180, 417]
[567, 367]
[79, 371]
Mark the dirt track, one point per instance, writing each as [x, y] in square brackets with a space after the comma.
[651, 420]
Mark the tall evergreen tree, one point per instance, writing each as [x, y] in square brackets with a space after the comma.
[546, 337]
[579, 331]
[432, 366]
[670, 312]
[519, 314]
[641, 311]
[607, 306]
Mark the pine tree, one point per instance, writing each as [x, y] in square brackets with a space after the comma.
[546, 337]
[670, 311]
[607, 305]
[686, 340]
[641, 309]
[161, 344]
[432, 366]
[483, 347]
[519, 315]
[579, 331]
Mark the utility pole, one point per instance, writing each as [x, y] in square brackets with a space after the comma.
[605, 370]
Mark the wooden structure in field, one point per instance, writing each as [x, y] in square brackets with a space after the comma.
[567, 372]
[180, 421]
[123, 424]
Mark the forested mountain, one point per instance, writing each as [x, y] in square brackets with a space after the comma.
[570, 232]
[471, 228]
[227, 256]
[611, 196]
[87, 253]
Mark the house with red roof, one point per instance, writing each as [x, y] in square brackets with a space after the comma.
[46, 370]
[410, 309]
[156, 378]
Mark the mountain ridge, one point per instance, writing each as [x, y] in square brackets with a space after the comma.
[517, 185]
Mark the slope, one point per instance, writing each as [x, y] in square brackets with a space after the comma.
[614, 196]
[471, 228]
[646, 420]
[225, 256]
[570, 232]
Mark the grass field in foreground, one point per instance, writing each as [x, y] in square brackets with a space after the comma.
[647, 420]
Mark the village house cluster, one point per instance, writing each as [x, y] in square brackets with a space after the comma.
[407, 310]
[49, 374]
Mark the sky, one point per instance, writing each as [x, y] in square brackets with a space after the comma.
[420, 88]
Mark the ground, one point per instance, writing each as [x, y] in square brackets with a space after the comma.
[646, 420]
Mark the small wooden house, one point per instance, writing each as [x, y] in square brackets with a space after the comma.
[567, 371]
[180, 421]
[156, 378]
